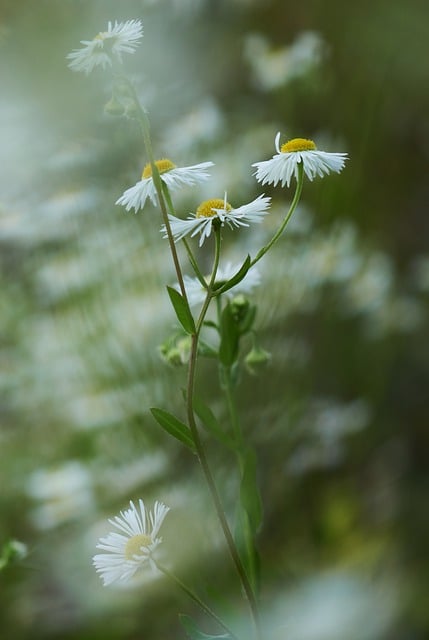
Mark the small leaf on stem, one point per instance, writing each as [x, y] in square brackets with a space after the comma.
[182, 310]
[174, 427]
[236, 278]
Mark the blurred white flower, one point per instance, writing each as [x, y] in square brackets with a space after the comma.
[134, 546]
[283, 166]
[121, 37]
[343, 604]
[197, 293]
[62, 494]
[217, 211]
[173, 177]
[202, 124]
[274, 66]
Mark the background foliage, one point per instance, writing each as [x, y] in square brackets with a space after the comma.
[339, 417]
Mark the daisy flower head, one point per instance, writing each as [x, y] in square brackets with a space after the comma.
[133, 546]
[217, 212]
[172, 176]
[197, 293]
[121, 37]
[284, 165]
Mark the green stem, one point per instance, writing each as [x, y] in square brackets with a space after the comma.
[195, 598]
[235, 556]
[194, 264]
[296, 198]
[191, 257]
[232, 410]
[214, 492]
[145, 128]
[143, 120]
[226, 384]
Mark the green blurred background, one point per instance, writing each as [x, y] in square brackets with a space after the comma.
[339, 418]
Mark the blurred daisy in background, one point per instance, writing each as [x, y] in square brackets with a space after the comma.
[134, 546]
[173, 177]
[284, 165]
[121, 37]
[220, 212]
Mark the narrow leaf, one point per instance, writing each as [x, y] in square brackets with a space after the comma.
[229, 337]
[182, 310]
[206, 350]
[194, 633]
[245, 544]
[211, 424]
[237, 277]
[174, 427]
[249, 491]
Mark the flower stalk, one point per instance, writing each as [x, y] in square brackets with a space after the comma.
[195, 598]
[293, 205]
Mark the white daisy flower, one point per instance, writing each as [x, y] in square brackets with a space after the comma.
[217, 211]
[196, 292]
[283, 166]
[174, 177]
[122, 37]
[130, 549]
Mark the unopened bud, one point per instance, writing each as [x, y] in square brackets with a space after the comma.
[12, 551]
[114, 107]
[176, 353]
[257, 359]
[244, 313]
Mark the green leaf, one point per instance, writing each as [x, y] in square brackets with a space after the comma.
[211, 324]
[174, 427]
[182, 310]
[210, 422]
[249, 517]
[249, 491]
[246, 548]
[229, 337]
[194, 633]
[206, 350]
[236, 278]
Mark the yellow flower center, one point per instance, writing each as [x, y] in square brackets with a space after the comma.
[134, 545]
[163, 166]
[298, 144]
[205, 210]
[104, 39]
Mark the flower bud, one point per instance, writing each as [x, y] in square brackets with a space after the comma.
[12, 551]
[244, 313]
[132, 110]
[257, 359]
[114, 107]
[177, 352]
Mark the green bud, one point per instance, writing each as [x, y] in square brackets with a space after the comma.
[132, 110]
[176, 352]
[12, 551]
[173, 357]
[257, 359]
[243, 313]
[114, 107]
